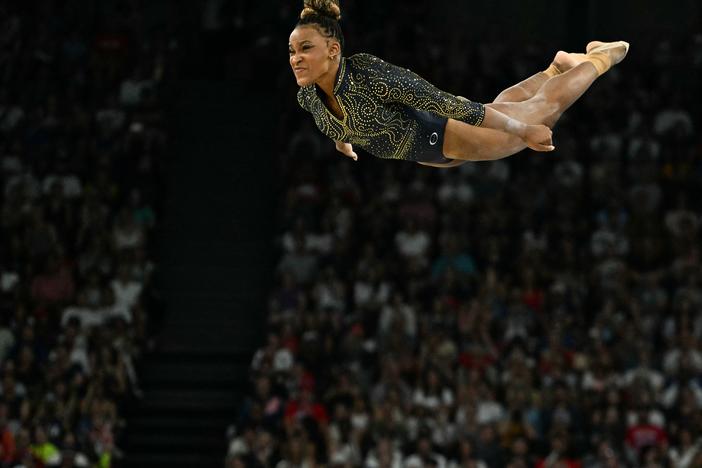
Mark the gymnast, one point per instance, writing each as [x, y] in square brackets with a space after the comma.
[393, 113]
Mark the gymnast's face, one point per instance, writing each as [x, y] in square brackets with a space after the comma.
[312, 56]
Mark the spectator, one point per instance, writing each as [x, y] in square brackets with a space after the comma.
[300, 263]
[55, 285]
[643, 435]
[412, 243]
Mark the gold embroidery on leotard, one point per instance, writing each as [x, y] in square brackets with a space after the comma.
[377, 99]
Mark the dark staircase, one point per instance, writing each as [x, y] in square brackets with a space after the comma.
[215, 260]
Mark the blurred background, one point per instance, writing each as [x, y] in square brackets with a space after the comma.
[190, 275]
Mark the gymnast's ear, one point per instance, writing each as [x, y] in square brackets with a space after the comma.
[334, 48]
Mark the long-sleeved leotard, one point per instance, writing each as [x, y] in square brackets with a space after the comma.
[382, 108]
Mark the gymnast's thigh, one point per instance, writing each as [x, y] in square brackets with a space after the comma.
[471, 143]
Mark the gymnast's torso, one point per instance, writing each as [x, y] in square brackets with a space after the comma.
[388, 111]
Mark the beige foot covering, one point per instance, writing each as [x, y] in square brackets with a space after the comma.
[604, 55]
[552, 71]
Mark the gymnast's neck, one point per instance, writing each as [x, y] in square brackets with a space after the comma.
[327, 81]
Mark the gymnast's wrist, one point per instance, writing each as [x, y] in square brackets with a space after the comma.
[515, 127]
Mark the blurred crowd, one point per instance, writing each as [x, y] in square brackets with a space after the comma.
[81, 143]
[537, 311]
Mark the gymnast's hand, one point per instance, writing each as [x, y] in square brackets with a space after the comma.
[539, 138]
[346, 149]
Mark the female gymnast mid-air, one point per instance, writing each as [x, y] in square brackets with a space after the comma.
[393, 113]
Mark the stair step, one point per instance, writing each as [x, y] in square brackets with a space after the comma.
[215, 326]
[200, 370]
[181, 294]
[211, 342]
[215, 254]
[214, 351]
[199, 312]
[183, 443]
[185, 383]
[163, 410]
[210, 242]
[199, 279]
[212, 322]
[174, 425]
[182, 354]
[197, 375]
[171, 460]
[192, 400]
[203, 394]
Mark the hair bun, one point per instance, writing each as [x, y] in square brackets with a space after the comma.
[328, 8]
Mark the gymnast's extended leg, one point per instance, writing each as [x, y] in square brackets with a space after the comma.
[466, 142]
[526, 89]
[562, 62]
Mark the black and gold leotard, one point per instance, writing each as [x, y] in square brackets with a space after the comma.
[382, 107]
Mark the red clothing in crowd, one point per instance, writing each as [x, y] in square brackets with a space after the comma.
[562, 462]
[53, 288]
[7, 442]
[534, 299]
[297, 409]
[642, 435]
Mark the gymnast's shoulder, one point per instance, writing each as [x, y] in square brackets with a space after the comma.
[364, 60]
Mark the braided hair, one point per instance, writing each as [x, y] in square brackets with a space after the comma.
[325, 16]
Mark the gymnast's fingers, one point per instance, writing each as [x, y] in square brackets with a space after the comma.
[541, 147]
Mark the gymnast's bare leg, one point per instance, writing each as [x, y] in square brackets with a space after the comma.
[526, 89]
[552, 97]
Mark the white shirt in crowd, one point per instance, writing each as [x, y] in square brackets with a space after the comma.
[365, 293]
[72, 187]
[668, 119]
[402, 314]
[131, 90]
[685, 458]
[95, 316]
[671, 360]
[415, 461]
[412, 244]
[373, 462]
[433, 401]
[489, 411]
[31, 184]
[128, 238]
[126, 293]
[455, 189]
[329, 295]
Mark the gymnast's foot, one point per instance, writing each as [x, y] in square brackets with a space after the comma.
[564, 61]
[614, 51]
